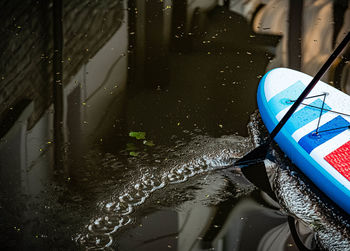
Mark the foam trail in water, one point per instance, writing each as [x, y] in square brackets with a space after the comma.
[201, 156]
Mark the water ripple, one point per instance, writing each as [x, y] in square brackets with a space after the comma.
[200, 156]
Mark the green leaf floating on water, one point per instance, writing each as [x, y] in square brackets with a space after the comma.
[134, 154]
[148, 143]
[138, 135]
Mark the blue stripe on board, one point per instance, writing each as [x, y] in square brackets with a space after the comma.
[280, 101]
[305, 115]
[310, 141]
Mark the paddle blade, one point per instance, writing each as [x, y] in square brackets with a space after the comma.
[253, 157]
[256, 174]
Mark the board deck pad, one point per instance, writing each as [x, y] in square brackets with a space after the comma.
[340, 160]
[332, 128]
[305, 115]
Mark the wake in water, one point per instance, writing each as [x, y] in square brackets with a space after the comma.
[201, 155]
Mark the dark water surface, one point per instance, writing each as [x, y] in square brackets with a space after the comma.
[200, 92]
[150, 150]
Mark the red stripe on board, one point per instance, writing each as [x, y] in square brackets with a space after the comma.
[340, 160]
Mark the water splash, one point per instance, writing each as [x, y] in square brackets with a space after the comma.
[201, 155]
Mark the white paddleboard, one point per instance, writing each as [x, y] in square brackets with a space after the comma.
[317, 136]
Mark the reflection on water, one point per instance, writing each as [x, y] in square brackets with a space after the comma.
[180, 73]
[220, 221]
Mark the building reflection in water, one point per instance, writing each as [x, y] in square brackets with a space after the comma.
[229, 225]
[94, 76]
[94, 61]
